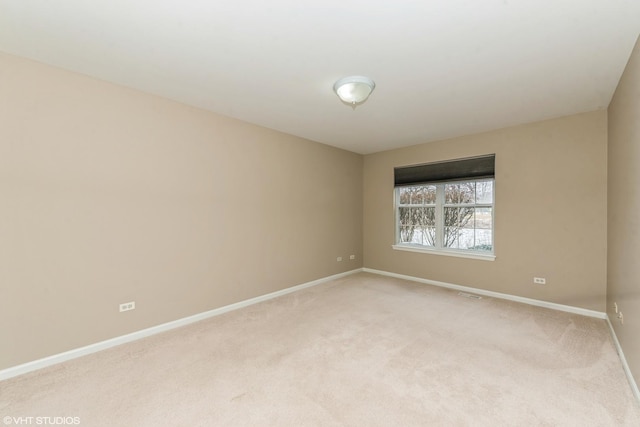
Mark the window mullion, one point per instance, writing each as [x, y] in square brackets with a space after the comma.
[396, 196]
[439, 216]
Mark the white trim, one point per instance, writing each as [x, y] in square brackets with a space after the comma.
[103, 345]
[459, 254]
[530, 301]
[625, 365]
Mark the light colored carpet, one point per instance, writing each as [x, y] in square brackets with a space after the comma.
[364, 350]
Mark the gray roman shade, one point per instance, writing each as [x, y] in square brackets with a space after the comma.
[450, 170]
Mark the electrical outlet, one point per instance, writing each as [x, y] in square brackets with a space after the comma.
[621, 318]
[539, 280]
[615, 306]
[352, 257]
[339, 259]
[127, 306]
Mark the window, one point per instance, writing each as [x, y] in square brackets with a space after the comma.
[448, 216]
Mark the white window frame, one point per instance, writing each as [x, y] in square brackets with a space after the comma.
[440, 204]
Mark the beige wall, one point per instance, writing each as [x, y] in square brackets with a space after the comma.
[550, 211]
[623, 261]
[108, 195]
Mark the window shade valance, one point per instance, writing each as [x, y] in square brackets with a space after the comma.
[450, 170]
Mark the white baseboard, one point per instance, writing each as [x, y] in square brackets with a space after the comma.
[530, 301]
[625, 365]
[93, 348]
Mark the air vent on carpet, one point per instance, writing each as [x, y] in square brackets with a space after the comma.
[466, 295]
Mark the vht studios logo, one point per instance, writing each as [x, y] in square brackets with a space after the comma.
[43, 421]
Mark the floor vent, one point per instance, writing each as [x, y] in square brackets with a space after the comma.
[466, 295]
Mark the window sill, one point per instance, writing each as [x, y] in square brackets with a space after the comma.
[459, 254]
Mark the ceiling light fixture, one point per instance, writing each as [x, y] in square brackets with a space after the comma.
[354, 90]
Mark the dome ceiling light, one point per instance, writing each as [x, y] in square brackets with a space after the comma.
[354, 90]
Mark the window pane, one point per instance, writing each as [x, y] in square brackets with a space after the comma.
[428, 226]
[407, 219]
[484, 192]
[418, 195]
[461, 228]
[483, 218]
[408, 216]
[405, 195]
[458, 217]
[410, 219]
[483, 240]
[428, 218]
[417, 225]
[461, 192]
[429, 194]
[427, 236]
[406, 234]
[451, 235]
[460, 238]
[451, 216]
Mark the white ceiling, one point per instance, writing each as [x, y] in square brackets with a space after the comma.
[443, 68]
